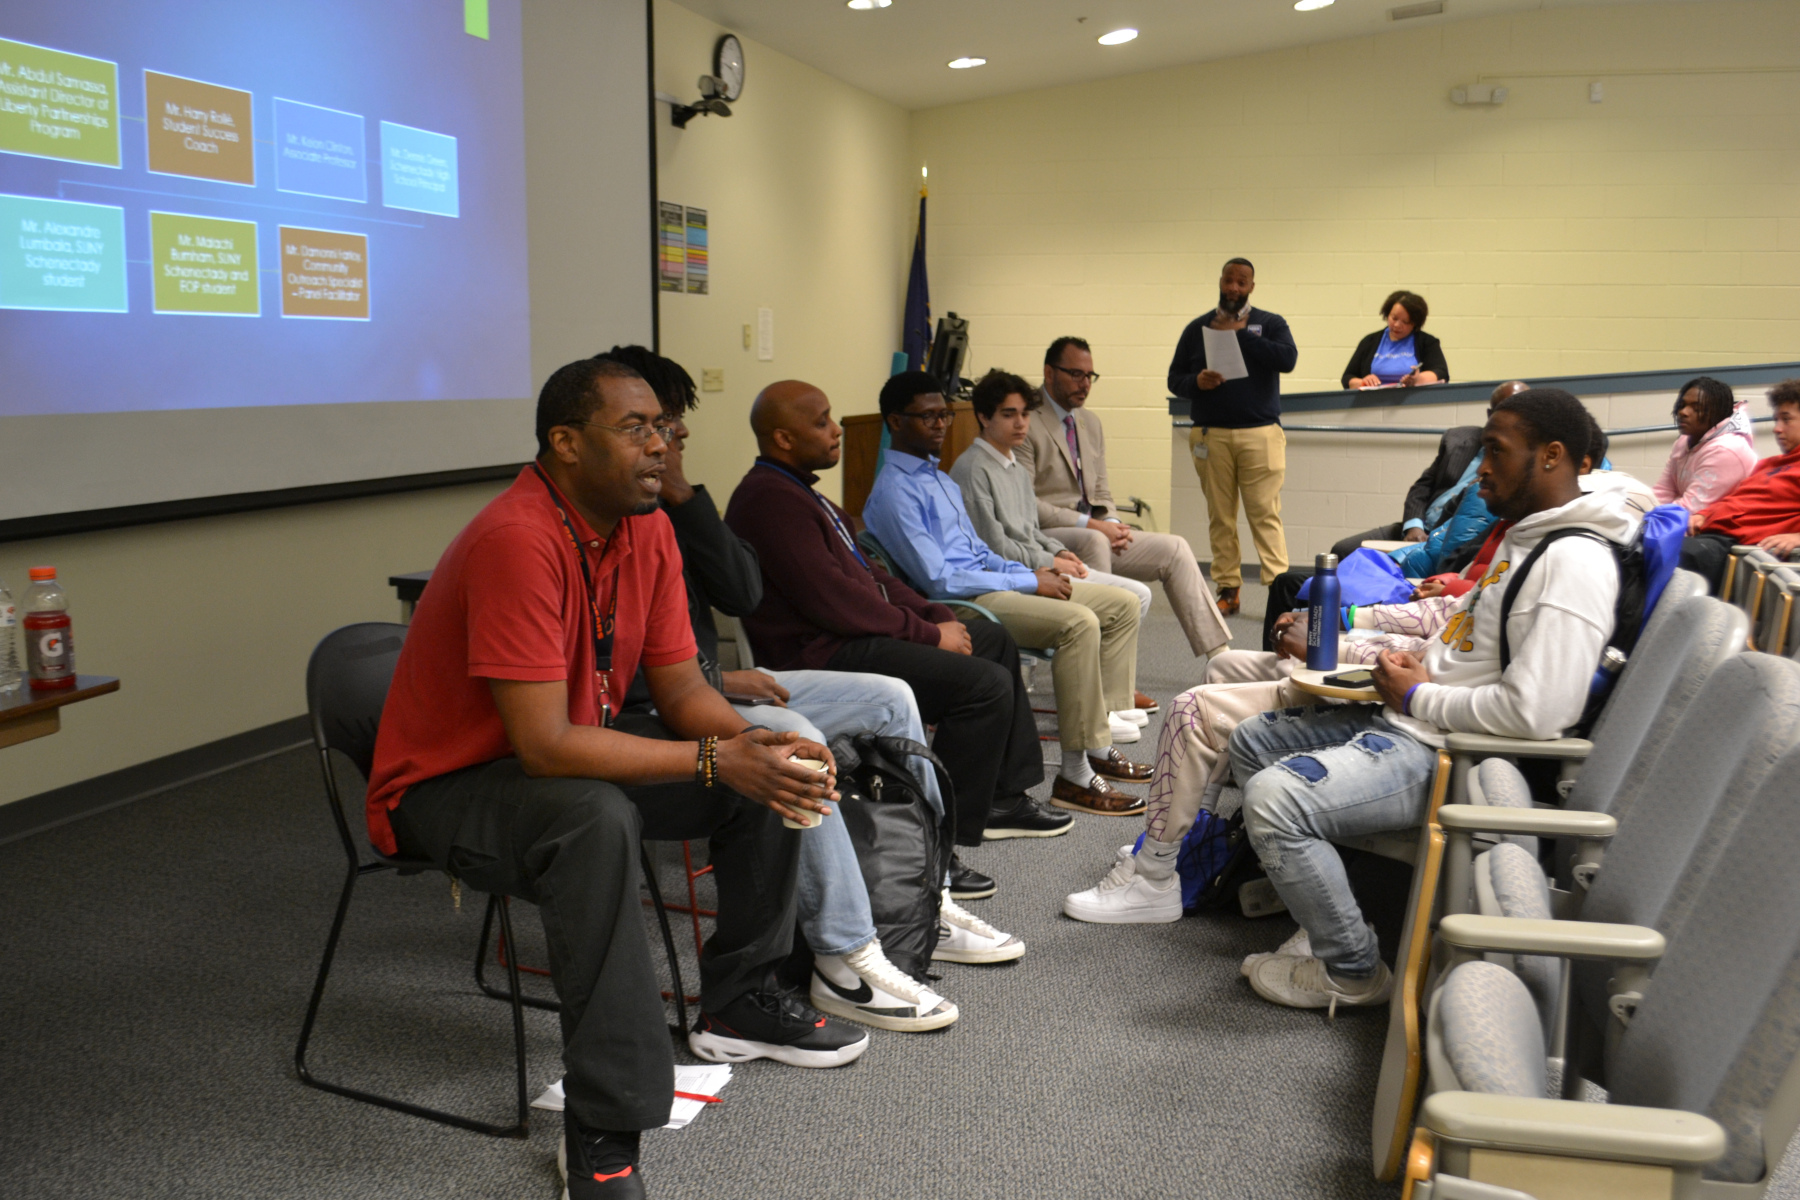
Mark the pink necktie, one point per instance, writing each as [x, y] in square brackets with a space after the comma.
[1075, 454]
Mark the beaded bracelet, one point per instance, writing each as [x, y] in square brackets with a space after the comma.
[706, 770]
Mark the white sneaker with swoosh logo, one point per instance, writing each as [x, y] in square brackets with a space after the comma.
[864, 986]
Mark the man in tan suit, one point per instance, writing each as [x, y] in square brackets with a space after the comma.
[1065, 454]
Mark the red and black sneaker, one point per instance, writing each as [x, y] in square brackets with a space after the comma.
[776, 1023]
[599, 1164]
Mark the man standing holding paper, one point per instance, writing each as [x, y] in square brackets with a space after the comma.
[1228, 363]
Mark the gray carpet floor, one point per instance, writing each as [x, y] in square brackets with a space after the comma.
[157, 960]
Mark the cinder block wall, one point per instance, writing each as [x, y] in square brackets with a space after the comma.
[1552, 236]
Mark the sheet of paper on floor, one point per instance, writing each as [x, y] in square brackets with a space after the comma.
[707, 1080]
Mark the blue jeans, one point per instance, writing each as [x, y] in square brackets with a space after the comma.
[833, 900]
[1313, 774]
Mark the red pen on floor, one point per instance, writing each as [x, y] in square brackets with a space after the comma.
[699, 1097]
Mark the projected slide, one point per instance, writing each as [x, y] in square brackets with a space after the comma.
[218, 204]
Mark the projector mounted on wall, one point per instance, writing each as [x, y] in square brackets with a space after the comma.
[1479, 93]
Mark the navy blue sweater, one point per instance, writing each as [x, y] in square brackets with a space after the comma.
[1269, 353]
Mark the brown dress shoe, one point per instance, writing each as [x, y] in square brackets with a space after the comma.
[1099, 797]
[1114, 765]
[1228, 602]
[1147, 703]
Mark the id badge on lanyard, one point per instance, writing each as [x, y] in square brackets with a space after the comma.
[600, 626]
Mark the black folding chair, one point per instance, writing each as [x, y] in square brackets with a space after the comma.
[346, 685]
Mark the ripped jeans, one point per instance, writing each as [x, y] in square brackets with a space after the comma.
[1313, 774]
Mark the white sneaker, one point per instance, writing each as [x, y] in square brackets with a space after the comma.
[864, 986]
[1123, 731]
[965, 938]
[1124, 897]
[1136, 716]
[1297, 946]
[1305, 983]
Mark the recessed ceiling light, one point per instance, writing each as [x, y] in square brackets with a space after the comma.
[861, 5]
[963, 64]
[1118, 37]
[1310, 5]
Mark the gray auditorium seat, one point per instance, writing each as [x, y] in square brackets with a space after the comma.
[1703, 1070]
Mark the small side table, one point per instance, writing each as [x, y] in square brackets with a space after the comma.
[409, 588]
[26, 714]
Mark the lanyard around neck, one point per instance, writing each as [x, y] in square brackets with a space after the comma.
[600, 627]
[837, 522]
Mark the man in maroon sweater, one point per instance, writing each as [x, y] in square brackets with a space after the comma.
[826, 606]
[1763, 510]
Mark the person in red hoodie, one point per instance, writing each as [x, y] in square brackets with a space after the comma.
[1762, 511]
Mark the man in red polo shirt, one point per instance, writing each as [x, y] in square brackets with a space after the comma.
[499, 759]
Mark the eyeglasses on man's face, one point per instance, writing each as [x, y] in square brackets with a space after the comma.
[937, 416]
[1090, 377]
[637, 435]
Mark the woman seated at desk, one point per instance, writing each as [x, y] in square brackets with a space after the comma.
[1401, 355]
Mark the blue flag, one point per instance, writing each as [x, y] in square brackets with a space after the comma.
[915, 332]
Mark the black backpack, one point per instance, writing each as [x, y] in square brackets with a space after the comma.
[1628, 612]
[902, 845]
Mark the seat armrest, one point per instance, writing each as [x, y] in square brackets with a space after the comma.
[1661, 1136]
[950, 602]
[1562, 939]
[1488, 744]
[1452, 1187]
[1542, 822]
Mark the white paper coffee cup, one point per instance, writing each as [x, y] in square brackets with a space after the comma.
[812, 820]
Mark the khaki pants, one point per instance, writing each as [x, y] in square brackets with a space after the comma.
[1192, 764]
[1161, 556]
[1094, 633]
[1251, 463]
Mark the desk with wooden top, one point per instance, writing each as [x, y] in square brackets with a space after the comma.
[26, 713]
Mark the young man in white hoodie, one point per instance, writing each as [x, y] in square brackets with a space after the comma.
[1313, 774]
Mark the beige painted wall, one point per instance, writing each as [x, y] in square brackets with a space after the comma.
[808, 200]
[1660, 228]
[209, 622]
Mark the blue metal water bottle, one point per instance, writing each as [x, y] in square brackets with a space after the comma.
[1322, 617]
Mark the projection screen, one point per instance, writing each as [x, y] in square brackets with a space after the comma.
[248, 248]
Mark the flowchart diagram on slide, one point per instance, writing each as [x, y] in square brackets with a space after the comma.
[60, 253]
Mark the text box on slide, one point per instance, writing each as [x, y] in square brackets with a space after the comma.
[324, 274]
[320, 152]
[418, 170]
[58, 105]
[61, 255]
[200, 130]
[203, 265]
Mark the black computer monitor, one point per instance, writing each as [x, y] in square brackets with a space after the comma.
[948, 349]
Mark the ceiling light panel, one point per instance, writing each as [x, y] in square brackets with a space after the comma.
[1310, 5]
[1118, 37]
[865, 5]
[963, 64]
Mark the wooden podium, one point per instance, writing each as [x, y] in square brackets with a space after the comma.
[862, 446]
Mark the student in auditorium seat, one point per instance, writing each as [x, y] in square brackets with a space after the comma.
[1429, 503]
[502, 758]
[1313, 774]
[917, 511]
[827, 606]
[852, 977]
[1714, 450]
[1763, 510]
[1064, 452]
[1192, 767]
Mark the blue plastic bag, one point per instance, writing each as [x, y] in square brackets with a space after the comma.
[1664, 527]
[1367, 577]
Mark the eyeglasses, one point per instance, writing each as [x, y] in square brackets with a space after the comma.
[1091, 376]
[937, 416]
[637, 435]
